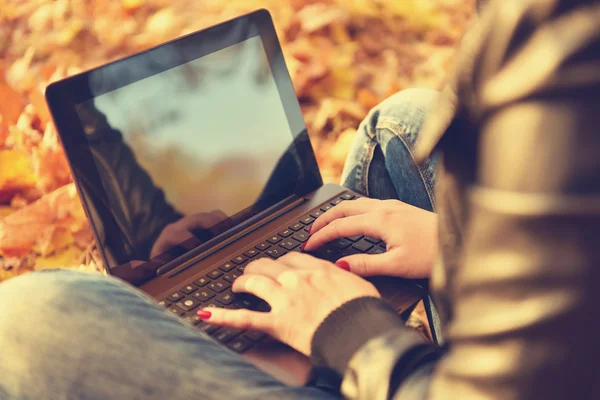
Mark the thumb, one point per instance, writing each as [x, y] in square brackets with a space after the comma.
[369, 264]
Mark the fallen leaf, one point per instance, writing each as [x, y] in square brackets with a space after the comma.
[16, 174]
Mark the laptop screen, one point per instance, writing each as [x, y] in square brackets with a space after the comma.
[188, 152]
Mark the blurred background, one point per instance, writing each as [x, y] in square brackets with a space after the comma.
[344, 57]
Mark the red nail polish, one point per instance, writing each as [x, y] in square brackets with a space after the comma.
[302, 246]
[310, 230]
[204, 314]
[343, 264]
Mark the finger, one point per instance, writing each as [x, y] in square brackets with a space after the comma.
[237, 319]
[298, 260]
[350, 226]
[344, 209]
[266, 267]
[373, 264]
[261, 286]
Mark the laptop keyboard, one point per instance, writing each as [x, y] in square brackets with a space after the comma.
[214, 288]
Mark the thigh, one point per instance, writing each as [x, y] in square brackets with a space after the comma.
[70, 335]
[381, 164]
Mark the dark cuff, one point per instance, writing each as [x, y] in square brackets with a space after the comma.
[349, 327]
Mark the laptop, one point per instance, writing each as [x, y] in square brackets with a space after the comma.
[192, 159]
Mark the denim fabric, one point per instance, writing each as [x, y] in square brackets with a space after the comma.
[381, 164]
[70, 335]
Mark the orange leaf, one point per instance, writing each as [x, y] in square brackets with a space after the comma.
[39, 103]
[35, 225]
[11, 106]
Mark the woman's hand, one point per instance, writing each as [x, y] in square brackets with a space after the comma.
[410, 234]
[301, 290]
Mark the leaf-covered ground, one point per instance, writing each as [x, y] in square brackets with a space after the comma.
[344, 57]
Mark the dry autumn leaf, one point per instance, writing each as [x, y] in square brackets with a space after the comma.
[344, 57]
[47, 224]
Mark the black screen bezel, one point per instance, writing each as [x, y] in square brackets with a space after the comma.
[63, 96]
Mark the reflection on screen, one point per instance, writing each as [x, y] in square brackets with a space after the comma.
[184, 149]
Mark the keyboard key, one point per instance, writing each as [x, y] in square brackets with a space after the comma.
[232, 276]
[326, 207]
[204, 294]
[164, 303]
[376, 250]
[262, 306]
[227, 267]
[347, 196]
[226, 298]
[219, 286]
[251, 253]
[262, 246]
[297, 226]
[207, 328]
[301, 236]
[201, 282]
[383, 246]
[214, 274]
[336, 201]
[176, 310]
[275, 252]
[274, 239]
[193, 319]
[341, 243]
[213, 304]
[307, 228]
[362, 245]
[289, 244]
[354, 238]
[187, 304]
[348, 252]
[240, 344]
[286, 233]
[316, 214]
[239, 259]
[307, 220]
[242, 268]
[188, 289]
[224, 335]
[372, 240]
[254, 335]
[175, 297]
[328, 253]
[245, 300]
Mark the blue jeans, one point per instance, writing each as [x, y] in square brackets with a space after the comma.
[70, 335]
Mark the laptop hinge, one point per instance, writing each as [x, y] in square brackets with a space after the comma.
[226, 238]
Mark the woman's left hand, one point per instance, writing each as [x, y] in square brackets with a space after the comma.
[301, 290]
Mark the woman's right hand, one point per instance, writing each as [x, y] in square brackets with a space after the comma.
[410, 234]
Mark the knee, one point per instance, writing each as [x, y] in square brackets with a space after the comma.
[39, 301]
[399, 116]
[403, 113]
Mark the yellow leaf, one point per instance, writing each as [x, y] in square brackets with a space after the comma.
[16, 174]
[343, 83]
[64, 259]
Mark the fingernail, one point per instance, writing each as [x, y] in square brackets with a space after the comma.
[204, 314]
[343, 264]
[310, 230]
[303, 245]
